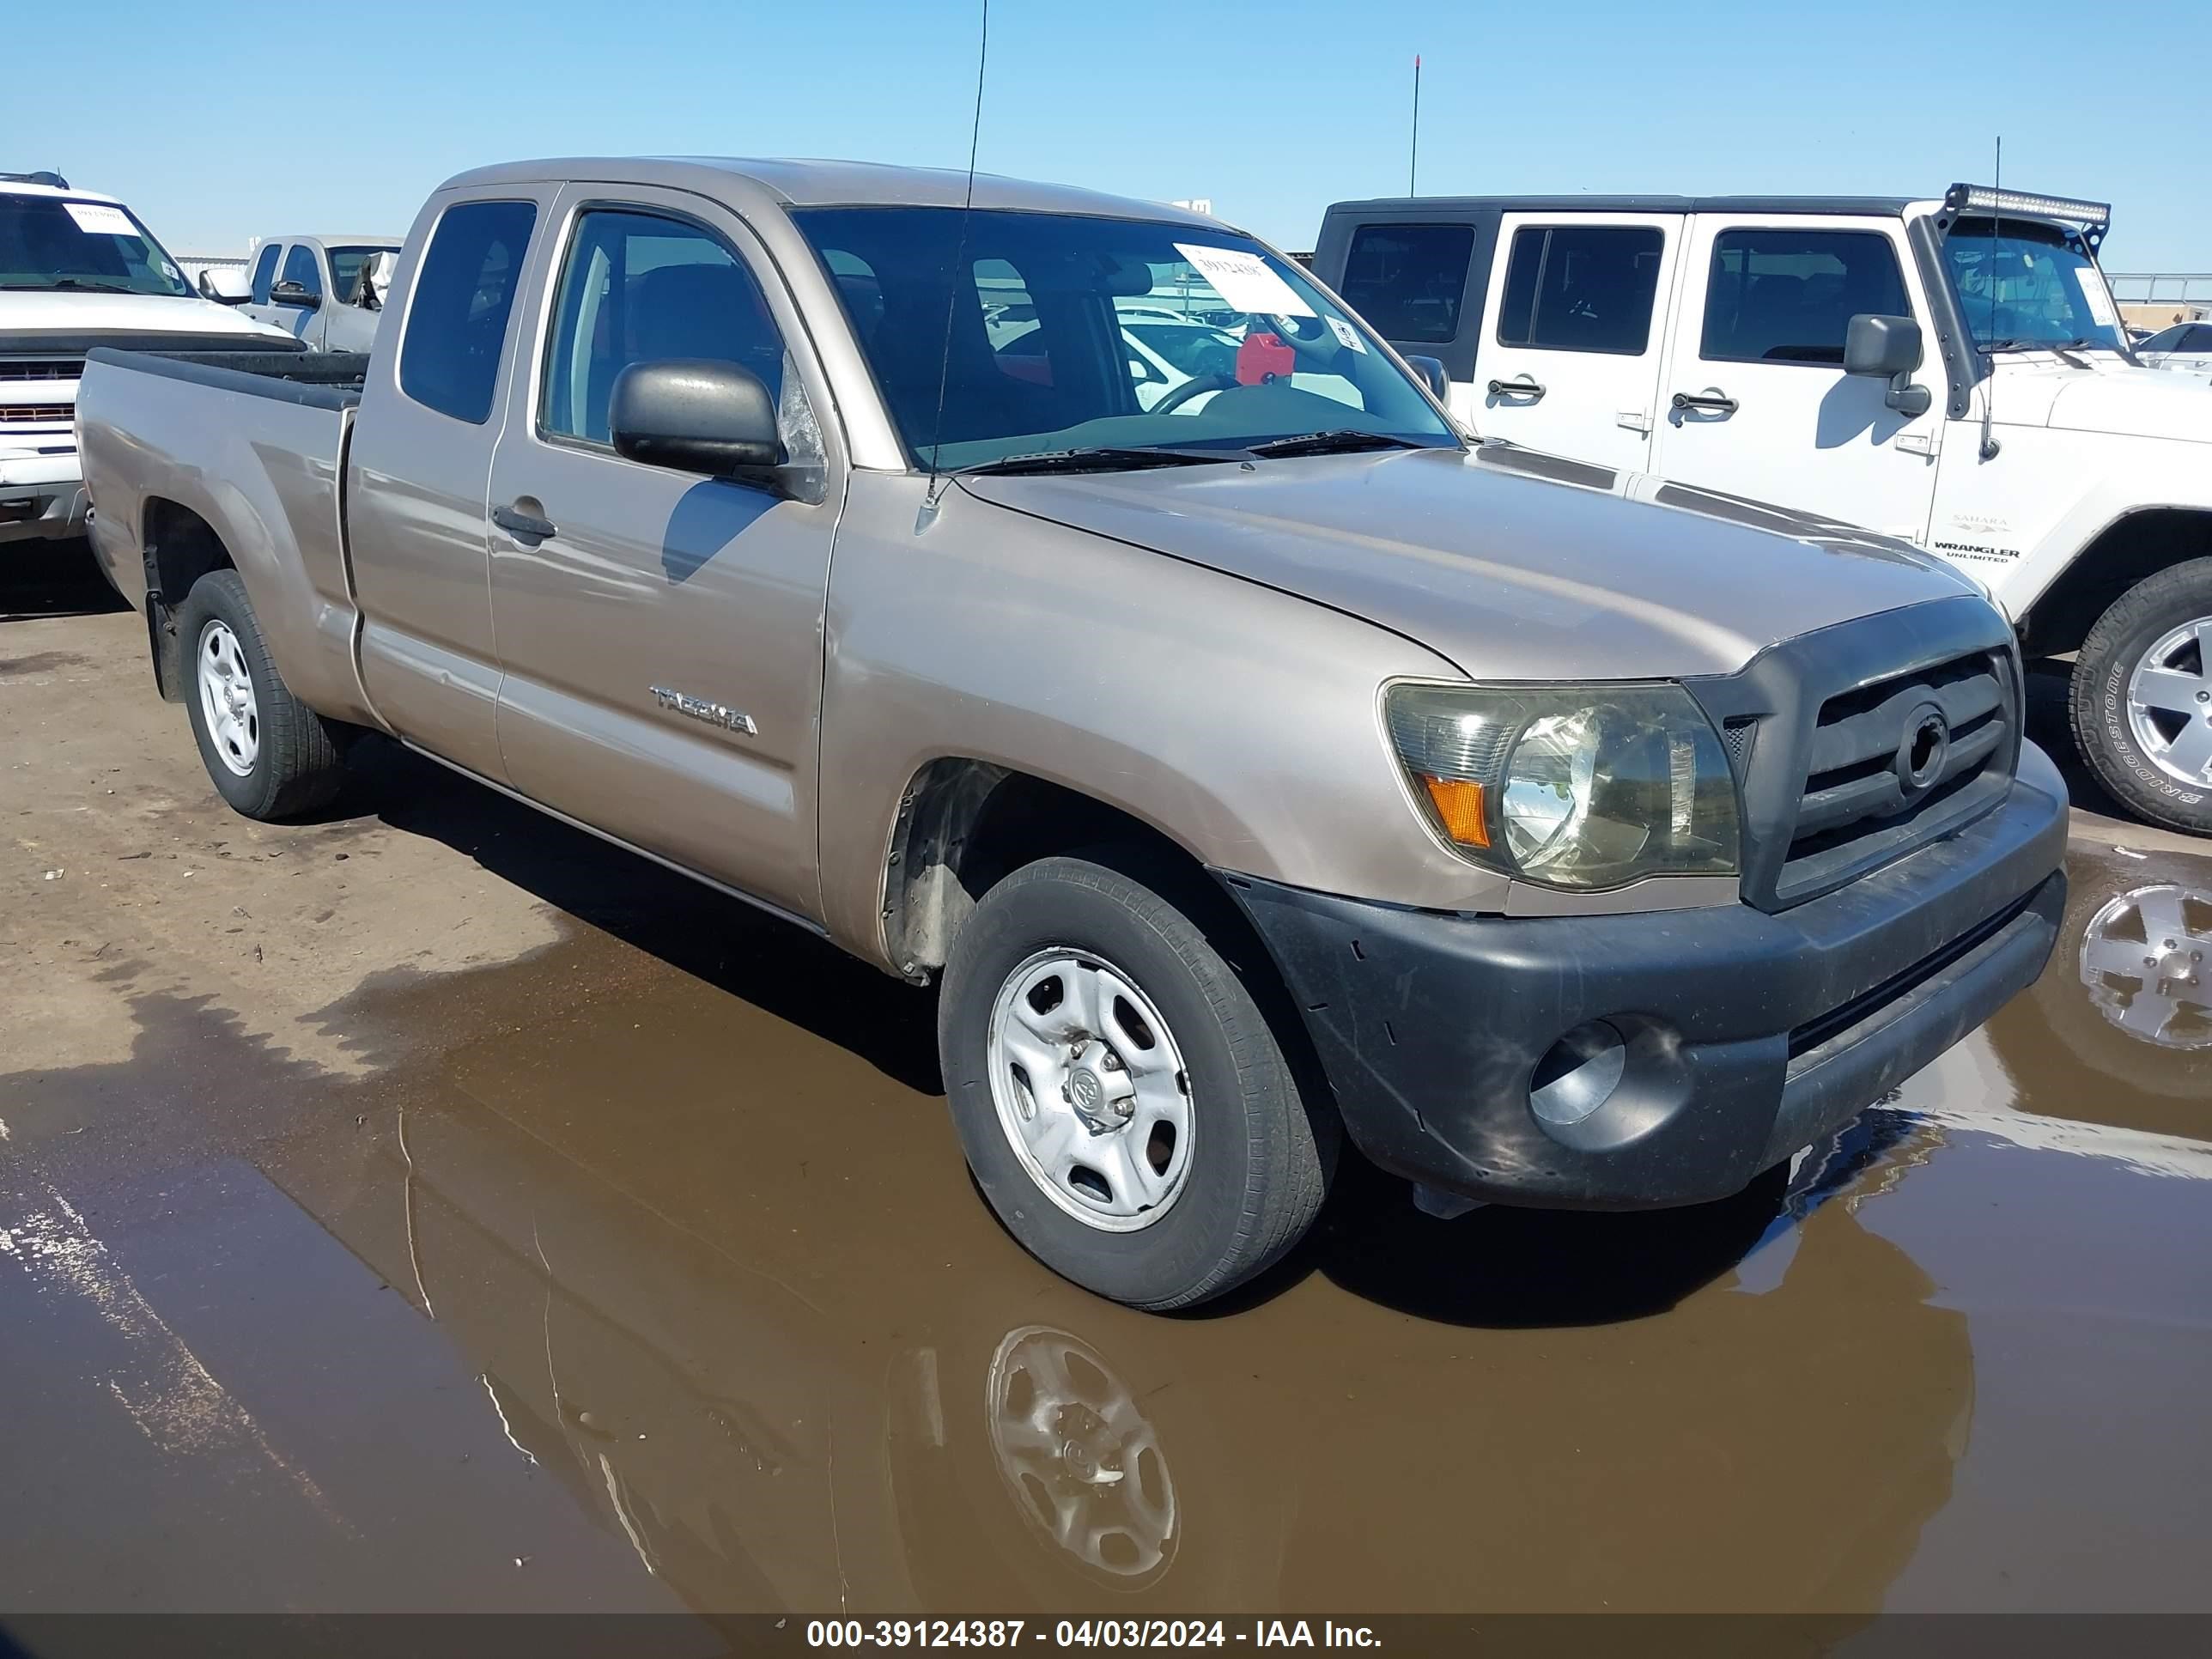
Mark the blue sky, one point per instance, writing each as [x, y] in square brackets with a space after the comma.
[219, 120]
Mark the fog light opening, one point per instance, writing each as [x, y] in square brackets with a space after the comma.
[1579, 1073]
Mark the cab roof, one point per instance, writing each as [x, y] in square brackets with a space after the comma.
[749, 183]
[1872, 207]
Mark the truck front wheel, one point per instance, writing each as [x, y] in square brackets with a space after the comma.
[1120, 1095]
[2142, 697]
[269, 754]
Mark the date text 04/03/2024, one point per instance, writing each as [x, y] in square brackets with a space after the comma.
[1085, 1633]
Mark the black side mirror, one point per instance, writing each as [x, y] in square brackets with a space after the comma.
[295, 294]
[696, 415]
[1889, 347]
[1431, 371]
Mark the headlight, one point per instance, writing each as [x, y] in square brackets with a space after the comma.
[1574, 786]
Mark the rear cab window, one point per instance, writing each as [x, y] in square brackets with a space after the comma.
[1409, 281]
[458, 312]
[1582, 288]
[265, 272]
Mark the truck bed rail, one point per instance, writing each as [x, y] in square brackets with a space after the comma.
[319, 379]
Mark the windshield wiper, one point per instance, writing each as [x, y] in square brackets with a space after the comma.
[1338, 440]
[1099, 459]
[88, 284]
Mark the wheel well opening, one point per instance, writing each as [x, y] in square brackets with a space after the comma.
[2126, 551]
[181, 547]
[964, 825]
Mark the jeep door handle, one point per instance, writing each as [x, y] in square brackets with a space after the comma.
[523, 526]
[1521, 386]
[1712, 401]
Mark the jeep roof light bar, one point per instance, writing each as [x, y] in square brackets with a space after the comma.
[52, 180]
[2094, 217]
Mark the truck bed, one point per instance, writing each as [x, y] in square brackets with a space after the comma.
[321, 379]
[251, 445]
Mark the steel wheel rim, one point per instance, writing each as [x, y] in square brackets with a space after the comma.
[226, 699]
[1082, 1460]
[1090, 1088]
[2170, 704]
[2157, 988]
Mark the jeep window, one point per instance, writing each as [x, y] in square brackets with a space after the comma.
[1012, 323]
[264, 271]
[1408, 280]
[49, 242]
[301, 266]
[1582, 288]
[456, 314]
[638, 288]
[2022, 285]
[1787, 296]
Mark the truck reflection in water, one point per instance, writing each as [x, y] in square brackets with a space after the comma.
[906, 1440]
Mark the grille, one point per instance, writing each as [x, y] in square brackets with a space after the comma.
[1897, 764]
[53, 368]
[35, 414]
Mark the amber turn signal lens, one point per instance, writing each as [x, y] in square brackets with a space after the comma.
[1459, 804]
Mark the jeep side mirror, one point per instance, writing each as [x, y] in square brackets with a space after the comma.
[1889, 347]
[1431, 371]
[697, 415]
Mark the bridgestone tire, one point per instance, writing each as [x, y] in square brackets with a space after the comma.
[2108, 659]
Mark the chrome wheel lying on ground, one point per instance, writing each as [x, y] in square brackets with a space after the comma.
[1123, 1101]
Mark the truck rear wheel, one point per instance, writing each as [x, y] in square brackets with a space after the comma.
[268, 754]
[2142, 697]
[1123, 1102]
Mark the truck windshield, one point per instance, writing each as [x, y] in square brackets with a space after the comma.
[1034, 333]
[2024, 285]
[51, 242]
[346, 263]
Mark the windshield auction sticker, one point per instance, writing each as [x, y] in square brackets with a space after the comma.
[2094, 295]
[1245, 281]
[98, 218]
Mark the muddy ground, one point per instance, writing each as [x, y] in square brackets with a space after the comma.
[429, 1207]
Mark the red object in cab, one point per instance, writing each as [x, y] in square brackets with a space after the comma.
[1264, 357]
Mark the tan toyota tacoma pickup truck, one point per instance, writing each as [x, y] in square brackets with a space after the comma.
[1066, 600]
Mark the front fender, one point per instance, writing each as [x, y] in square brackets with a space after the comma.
[1240, 722]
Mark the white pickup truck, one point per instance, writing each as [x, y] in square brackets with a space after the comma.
[76, 271]
[1950, 370]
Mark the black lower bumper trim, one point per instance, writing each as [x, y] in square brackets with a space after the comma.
[1745, 1036]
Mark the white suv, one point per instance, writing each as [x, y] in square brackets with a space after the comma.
[1949, 371]
[76, 271]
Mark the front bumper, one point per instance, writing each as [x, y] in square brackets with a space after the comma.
[42, 489]
[1748, 1035]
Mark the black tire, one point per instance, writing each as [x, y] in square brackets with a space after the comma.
[2133, 623]
[297, 767]
[1262, 1148]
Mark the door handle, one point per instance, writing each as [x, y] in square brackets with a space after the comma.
[1712, 401]
[526, 527]
[1521, 386]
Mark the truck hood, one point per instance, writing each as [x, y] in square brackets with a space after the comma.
[71, 313]
[1512, 564]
